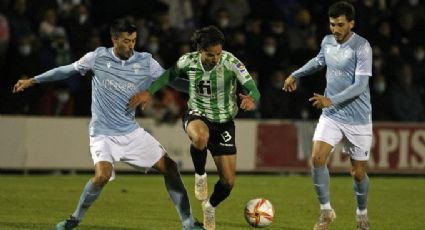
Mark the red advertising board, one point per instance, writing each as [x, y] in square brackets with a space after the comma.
[397, 148]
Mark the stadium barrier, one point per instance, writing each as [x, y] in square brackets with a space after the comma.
[45, 143]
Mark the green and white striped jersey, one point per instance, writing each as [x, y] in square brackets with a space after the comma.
[213, 93]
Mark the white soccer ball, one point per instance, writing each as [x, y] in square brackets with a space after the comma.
[259, 212]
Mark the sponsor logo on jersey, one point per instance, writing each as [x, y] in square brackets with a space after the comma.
[241, 68]
[136, 67]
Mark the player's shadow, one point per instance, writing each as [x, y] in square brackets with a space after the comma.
[44, 226]
[228, 225]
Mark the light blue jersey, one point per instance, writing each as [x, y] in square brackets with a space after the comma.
[349, 66]
[114, 82]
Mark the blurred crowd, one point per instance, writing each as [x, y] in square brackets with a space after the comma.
[271, 37]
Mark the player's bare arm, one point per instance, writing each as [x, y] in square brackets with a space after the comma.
[22, 84]
[320, 101]
[290, 84]
[140, 99]
[247, 103]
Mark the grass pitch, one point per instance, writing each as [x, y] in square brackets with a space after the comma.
[140, 202]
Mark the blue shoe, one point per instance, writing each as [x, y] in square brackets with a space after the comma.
[67, 224]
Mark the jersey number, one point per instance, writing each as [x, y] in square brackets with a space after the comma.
[204, 88]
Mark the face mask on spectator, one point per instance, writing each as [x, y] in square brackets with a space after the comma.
[83, 18]
[153, 47]
[63, 96]
[270, 50]
[419, 55]
[380, 87]
[278, 29]
[413, 2]
[224, 22]
[25, 50]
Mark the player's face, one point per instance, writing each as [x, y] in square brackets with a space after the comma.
[124, 44]
[341, 28]
[211, 56]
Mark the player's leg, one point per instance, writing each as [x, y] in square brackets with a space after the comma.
[176, 190]
[198, 133]
[143, 151]
[321, 180]
[91, 191]
[326, 136]
[358, 146]
[226, 167]
[361, 189]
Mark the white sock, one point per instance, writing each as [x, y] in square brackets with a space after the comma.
[326, 206]
[361, 212]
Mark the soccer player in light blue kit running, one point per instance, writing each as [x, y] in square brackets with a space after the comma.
[119, 73]
[346, 114]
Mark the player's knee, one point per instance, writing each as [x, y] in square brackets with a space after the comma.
[101, 180]
[200, 140]
[318, 160]
[358, 175]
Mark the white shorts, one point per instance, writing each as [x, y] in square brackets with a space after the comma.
[357, 139]
[138, 149]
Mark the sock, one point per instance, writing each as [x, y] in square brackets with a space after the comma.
[199, 159]
[361, 189]
[221, 192]
[179, 197]
[321, 183]
[88, 196]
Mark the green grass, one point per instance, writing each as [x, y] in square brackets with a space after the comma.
[140, 202]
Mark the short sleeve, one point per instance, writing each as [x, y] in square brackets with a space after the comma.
[85, 63]
[364, 60]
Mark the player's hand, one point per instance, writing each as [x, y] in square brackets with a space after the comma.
[22, 84]
[320, 101]
[247, 103]
[141, 99]
[290, 84]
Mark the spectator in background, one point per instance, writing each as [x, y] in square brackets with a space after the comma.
[303, 29]
[379, 98]
[21, 63]
[79, 24]
[4, 38]
[48, 25]
[57, 101]
[237, 11]
[274, 103]
[19, 22]
[406, 101]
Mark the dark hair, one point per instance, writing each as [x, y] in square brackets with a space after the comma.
[122, 25]
[342, 9]
[207, 37]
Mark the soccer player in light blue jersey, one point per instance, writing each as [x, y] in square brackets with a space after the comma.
[346, 109]
[119, 73]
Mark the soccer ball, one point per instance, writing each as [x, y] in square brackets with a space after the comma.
[259, 212]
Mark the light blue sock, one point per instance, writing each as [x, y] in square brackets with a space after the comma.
[361, 189]
[321, 183]
[178, 195]
[88, 196]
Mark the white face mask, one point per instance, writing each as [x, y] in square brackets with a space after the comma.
[153, 47]
[224, 22]
[83, 18]
[413, 2]
[270, 50]
[63, 96]
[25, 50]
[420, 55]
[380, 87]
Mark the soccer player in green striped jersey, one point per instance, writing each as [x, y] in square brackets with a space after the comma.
[213, 75]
